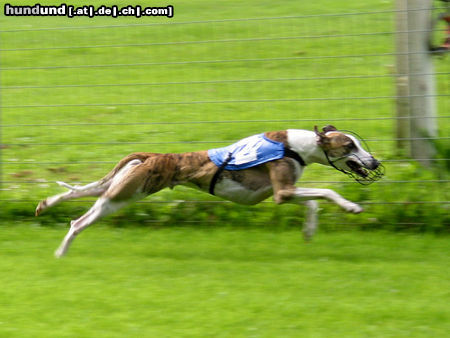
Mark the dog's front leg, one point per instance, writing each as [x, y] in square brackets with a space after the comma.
[295, 195]
[283, 175]
[310, 226]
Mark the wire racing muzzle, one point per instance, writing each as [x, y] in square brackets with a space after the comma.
[360, 173]
[360, 170]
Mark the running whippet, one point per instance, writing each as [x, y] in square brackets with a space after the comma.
[246, 172]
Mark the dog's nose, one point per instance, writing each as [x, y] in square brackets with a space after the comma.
[375, 164]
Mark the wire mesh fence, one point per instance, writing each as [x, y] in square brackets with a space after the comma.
[77, 96]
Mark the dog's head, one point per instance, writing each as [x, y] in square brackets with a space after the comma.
[345, 153]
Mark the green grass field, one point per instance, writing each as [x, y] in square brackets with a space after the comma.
[222, 282]
[76, 99]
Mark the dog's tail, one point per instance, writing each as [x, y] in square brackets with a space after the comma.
[123, 162]
[106, 180]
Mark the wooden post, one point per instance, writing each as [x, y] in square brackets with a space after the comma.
[422, 107]
[1, 124]
[402, 78]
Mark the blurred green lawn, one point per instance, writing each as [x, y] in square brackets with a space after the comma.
[222, 282]
[196, 282]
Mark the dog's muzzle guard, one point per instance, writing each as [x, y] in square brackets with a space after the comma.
[362, 172]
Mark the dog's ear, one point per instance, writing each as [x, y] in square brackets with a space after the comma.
[316, 130]
[321, 138]
[328, 128]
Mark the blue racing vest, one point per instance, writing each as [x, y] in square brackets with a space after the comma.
[248, 152]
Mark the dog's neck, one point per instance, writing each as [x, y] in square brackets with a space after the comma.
[304, 143]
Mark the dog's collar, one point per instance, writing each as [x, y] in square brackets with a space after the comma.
[213, 182]
[292, 154]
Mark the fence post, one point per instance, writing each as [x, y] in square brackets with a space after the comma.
[402, 78]
[422, 107]
[1, 120]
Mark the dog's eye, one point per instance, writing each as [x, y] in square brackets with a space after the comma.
[349, 147]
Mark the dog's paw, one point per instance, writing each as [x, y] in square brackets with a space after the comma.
[41, 206]
[353, 208]
[59, 253]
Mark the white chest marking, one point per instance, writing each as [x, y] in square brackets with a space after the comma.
[235, 192]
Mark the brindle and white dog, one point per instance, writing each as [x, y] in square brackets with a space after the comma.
[142, 174]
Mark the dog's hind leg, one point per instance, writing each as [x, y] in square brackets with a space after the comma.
[87, 187]
[102, 207]
[92, 189]
[96, 188]
[126, 187]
